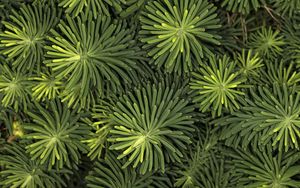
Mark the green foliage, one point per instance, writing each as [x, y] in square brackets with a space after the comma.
[76, 100]
[242, 6]
[56, 134]
[5, 7]
[187, 173]
[47, 86]
[14, 88]
[149, 93]
[129, 7]
[230, 31]
[217, 86]
[20, 171]
[86, 52]
[108, 172]
[249, 63]
[271, 116]
[286, 7]
[101, 127]
[97, 142]
[218, 172]
[7, 118]
[205, 166]
[152, 125]
[267, 42]
[177, 33]
[267, 168]
[24, 38]
[278, 72]
[292, 36]
[75, 7]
